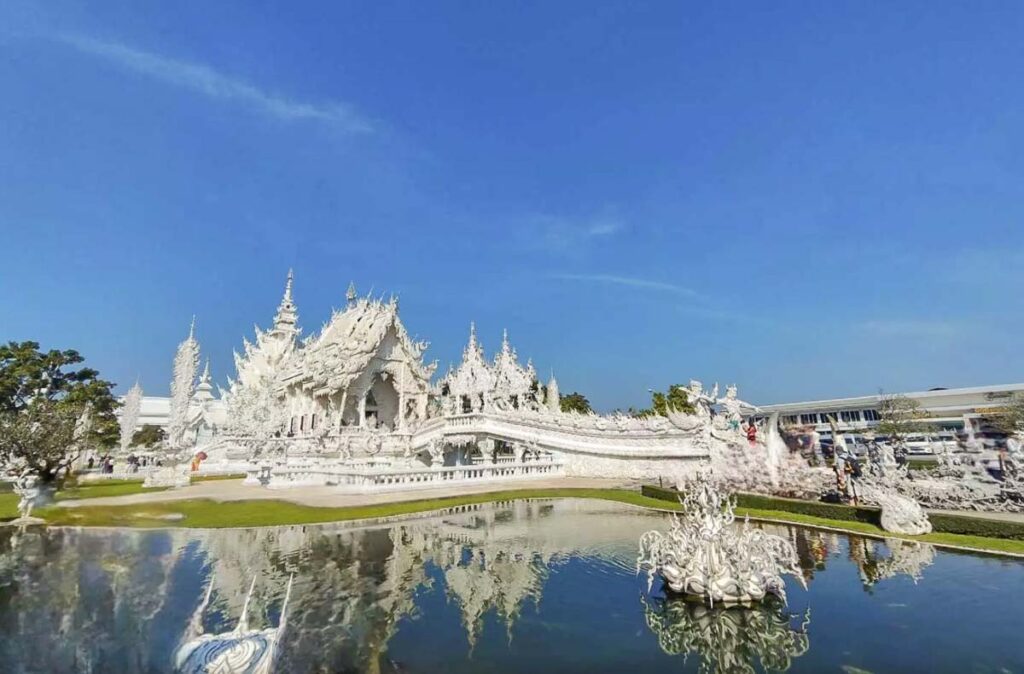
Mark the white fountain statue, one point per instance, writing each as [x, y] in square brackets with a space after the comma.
[704, 557]
[240, 650]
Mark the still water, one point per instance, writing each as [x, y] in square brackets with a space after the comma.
[513, 587]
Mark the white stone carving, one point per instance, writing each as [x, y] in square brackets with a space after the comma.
[29, 494]
[130, 409]
[174, 477]
[705, 557]
[186, 363]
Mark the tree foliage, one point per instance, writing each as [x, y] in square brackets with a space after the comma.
[899, 416]
[148, 436]
[41, 437]
[575, 402]
[676, 399]
[1010, 419]
[28, 375]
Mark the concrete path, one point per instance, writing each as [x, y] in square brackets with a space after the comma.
[983, 515]
[330, 497]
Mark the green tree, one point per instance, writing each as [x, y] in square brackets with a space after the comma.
[676, 399]
[148, 435]
[575, 402]
[1010, 419]
[900, 416]
[41, 436]
[28, 375]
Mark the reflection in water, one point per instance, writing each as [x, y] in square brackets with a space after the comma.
[441, 592]
[240, 650]
[728, 640]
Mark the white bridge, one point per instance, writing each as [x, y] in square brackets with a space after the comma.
[478, 447]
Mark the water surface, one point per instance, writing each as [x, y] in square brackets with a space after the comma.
[508, 587]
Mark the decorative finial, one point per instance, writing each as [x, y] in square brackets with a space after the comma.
[206, 372]
[351, 294]
[288, 286]
[192, 328]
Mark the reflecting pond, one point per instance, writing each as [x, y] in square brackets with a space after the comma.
[508, 587]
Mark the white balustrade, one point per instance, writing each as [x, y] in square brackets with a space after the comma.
[380, 477]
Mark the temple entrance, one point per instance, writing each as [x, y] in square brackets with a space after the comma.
[381, 409]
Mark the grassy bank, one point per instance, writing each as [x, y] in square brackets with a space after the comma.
[208, 514]
[982, 543]
[205, 513]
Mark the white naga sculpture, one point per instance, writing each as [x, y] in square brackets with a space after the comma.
[240, 650]
[705, 557]
[900, 514]
[880, 484]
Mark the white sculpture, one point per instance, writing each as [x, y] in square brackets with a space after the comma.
[174, 477]
[240, 650]
[186, 364]
[130, 408]
[703, 556]
[28, 491]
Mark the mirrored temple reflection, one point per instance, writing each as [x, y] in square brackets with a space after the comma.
[462, 582]
[729, 640]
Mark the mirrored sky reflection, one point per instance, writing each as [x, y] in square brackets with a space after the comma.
[512, 587]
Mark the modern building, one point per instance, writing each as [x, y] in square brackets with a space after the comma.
[947, 409]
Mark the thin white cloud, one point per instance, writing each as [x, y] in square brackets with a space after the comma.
[629, 282]
[558, 234]
[208, 82]
[911, 328]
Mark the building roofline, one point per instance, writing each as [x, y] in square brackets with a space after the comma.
[869, 399]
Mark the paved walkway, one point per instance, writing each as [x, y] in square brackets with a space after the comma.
[330, 497]
[983, 514]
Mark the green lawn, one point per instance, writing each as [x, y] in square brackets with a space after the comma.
[8, 506]
[106, 488]
[960, 540]
[205, 513]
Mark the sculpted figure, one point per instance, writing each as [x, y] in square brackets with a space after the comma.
[26, 487]
[732, 408]
[701, 400]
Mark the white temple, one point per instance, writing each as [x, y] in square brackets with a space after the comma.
[356, 406]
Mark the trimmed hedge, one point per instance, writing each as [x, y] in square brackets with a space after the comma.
[941, 522]
[976, 526]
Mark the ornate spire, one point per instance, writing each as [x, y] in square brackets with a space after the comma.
[204, 391]
[192, 328]
[288, 286]
[553, 399]
[286, 318]
[351, 294]
[472, 345]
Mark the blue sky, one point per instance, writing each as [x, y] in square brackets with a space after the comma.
[809, 199]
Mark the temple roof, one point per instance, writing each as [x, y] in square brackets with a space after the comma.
[333, 359]
[505, 377]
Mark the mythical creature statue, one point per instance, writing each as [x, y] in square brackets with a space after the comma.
[704, 556]
[901, 514]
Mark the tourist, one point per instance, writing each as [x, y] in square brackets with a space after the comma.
[751, 433]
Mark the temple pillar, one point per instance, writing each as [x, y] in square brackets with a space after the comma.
[362, 409]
